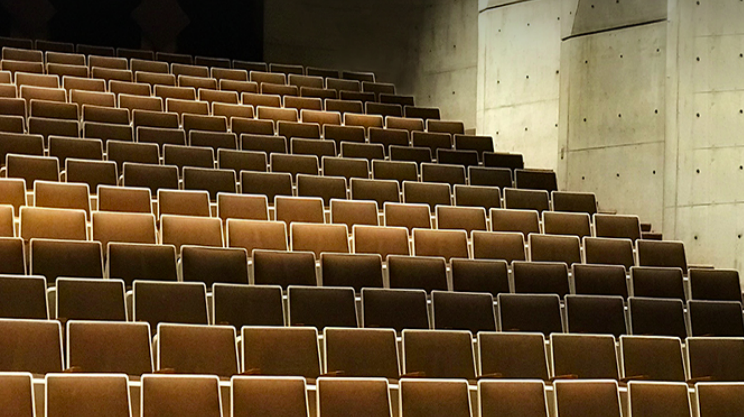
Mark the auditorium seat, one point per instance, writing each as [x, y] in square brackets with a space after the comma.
[351, 270]
[441, 172]
[326, 187]
[530, 313]
[395, 170]
[463, 311]
[188, 230]
[294, 164]
[343, 85]
[432, 194]
[119, 87]
[192, 156]
[526, 199]
[242, 206]
[447, 244]
[649, 281]
[576, 202]
[565, 223]
[339, 134]
[284, 268]
[182, 395]
[408, 123]
[715, 318]
[368, 151]
[90, 299]
[107, 115]
[158, 119]
[183, 203]
[197, 349]
[64, 148]
[321, 307]
[389, 136]
[131, 261]
[417, 272]
[434, 398]
[299, 209]
[396, 99]
[23, 297]
[535, 180]
[657, 317]
[319, 238]
[270, 184]
[477, 196]
[257, 396]
[512, 398]
[408, 215]
[44, 335]
[479, 275]
[540, 278]
[510, 220]
[121, 199]
[277, 351]
[424, 113]
[241, 160]
[652, 358]
[464, 218]
[595, 314]
[394, 309]
[651, 398]
[107, 131]
[62, 196]
[211, 265]
[252, 234]
[584, 398]
[599, 280]
[663, 254]
[382, 192]
[382, 240]
[617, 226]
[346, 167]
[264, 143]
[512, 356]
[17, 394]
[52, 223]
[715, 358]
[169, 302]
[247, 305]
[555, 248]
[31, 168]
[609, 251]
[433, 141]
[214, 181]
[141, 153]
[86, 395]
[298, 130]
[351, 213]
[438, 353]
[19, 143]
[364, 397]
[494, 177]
[307, 115]
[715, 285]
[505, 246]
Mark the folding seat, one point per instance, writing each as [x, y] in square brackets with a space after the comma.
[477, 196]
[107, 132]
[90, 299]
[109, 115]
[715, 284]
[526, 199]
[160, 136]
[351, 213]
[266, 77]
[482, 276]
[299, 130]
[305, 80]
[432, 194]
[535, 180]
[320, 93]
[316, 147]
[379, 191]
[440, 243]
[406, 215]
[657, 282]
[555, 248]
[148, 65]
[231, 111]
[183, 203]
[150, 176]
[21, 66]
[288, 351]
[325, 187]
[286, 69]
[182, 395]
[394, 170]
[346, 270]
[17, 393]
[360, 397]
[276, 114]
[12, 124]
[598, 358]
[463, 311]
[229, 74]
[13, 193]
[18, 335]
[450, 174]
[62, 196]
[255, 396]
[214, 181]
[92, 173]
[244, 305]
[418, 155]
[197, 349]
[574, 202]
[23, 297]
[321, 307]
[299, 209]
[112, 74]
[506, 220]
[54, 257]
[617, 226]
[7, 229]
[135, 54]
[124, 227]
[284, 268]
[530, 313]
[49, 86]
[178, 69]
[541, 278]
[208, 127]
[169, 302]
[263, 143]
[24, 144]
[441, 126]
[599, 280]
[715, 318]
[480, 144]
[465, 159]
[340, 134]
[396, 99]
[132, 102]
[241, 160]
[378, 87]
[20, 43]
[129, 199]
[343, 85]
[652, 358]
[130, 261]
[663, 254]
[464, 218]
[174, 58]
[394, 308]
[653, 398]
[310, 103]
[512, 355]
[583, 398]
[256, 234]
[345, 167]
[70, 83]
[182, 107]
[715, 358]
[280, 90]
[433, 141]
[21, 54]
[367, 121]
[187, 230]
[319, 238]
[198, 83]
[52, 223]
[108, 62]
[417, 272]
[409, 124]
[53, 110]
[566, 223]
[344, 106]
[236, 206]
[67, 395]
[178, 93]
[270, 184]
[384, 241]
[31, 168]
[595, 314]
[608, 251]
[239, 87]
[438, 354]
[657, 317]
[322, 72]
[56, 48]
[294, 164]
[154, 119]
[53, 127]
[192, 156]
[13, 107]
[216, 96]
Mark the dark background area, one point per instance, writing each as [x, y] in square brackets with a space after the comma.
[216, 28]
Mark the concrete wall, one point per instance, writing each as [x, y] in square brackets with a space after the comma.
[519, 77]
[426, 47]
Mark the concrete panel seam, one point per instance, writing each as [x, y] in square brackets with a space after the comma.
[652, 22]
[499, 6]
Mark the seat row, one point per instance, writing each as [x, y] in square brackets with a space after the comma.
[251, 396]
[126, 347]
